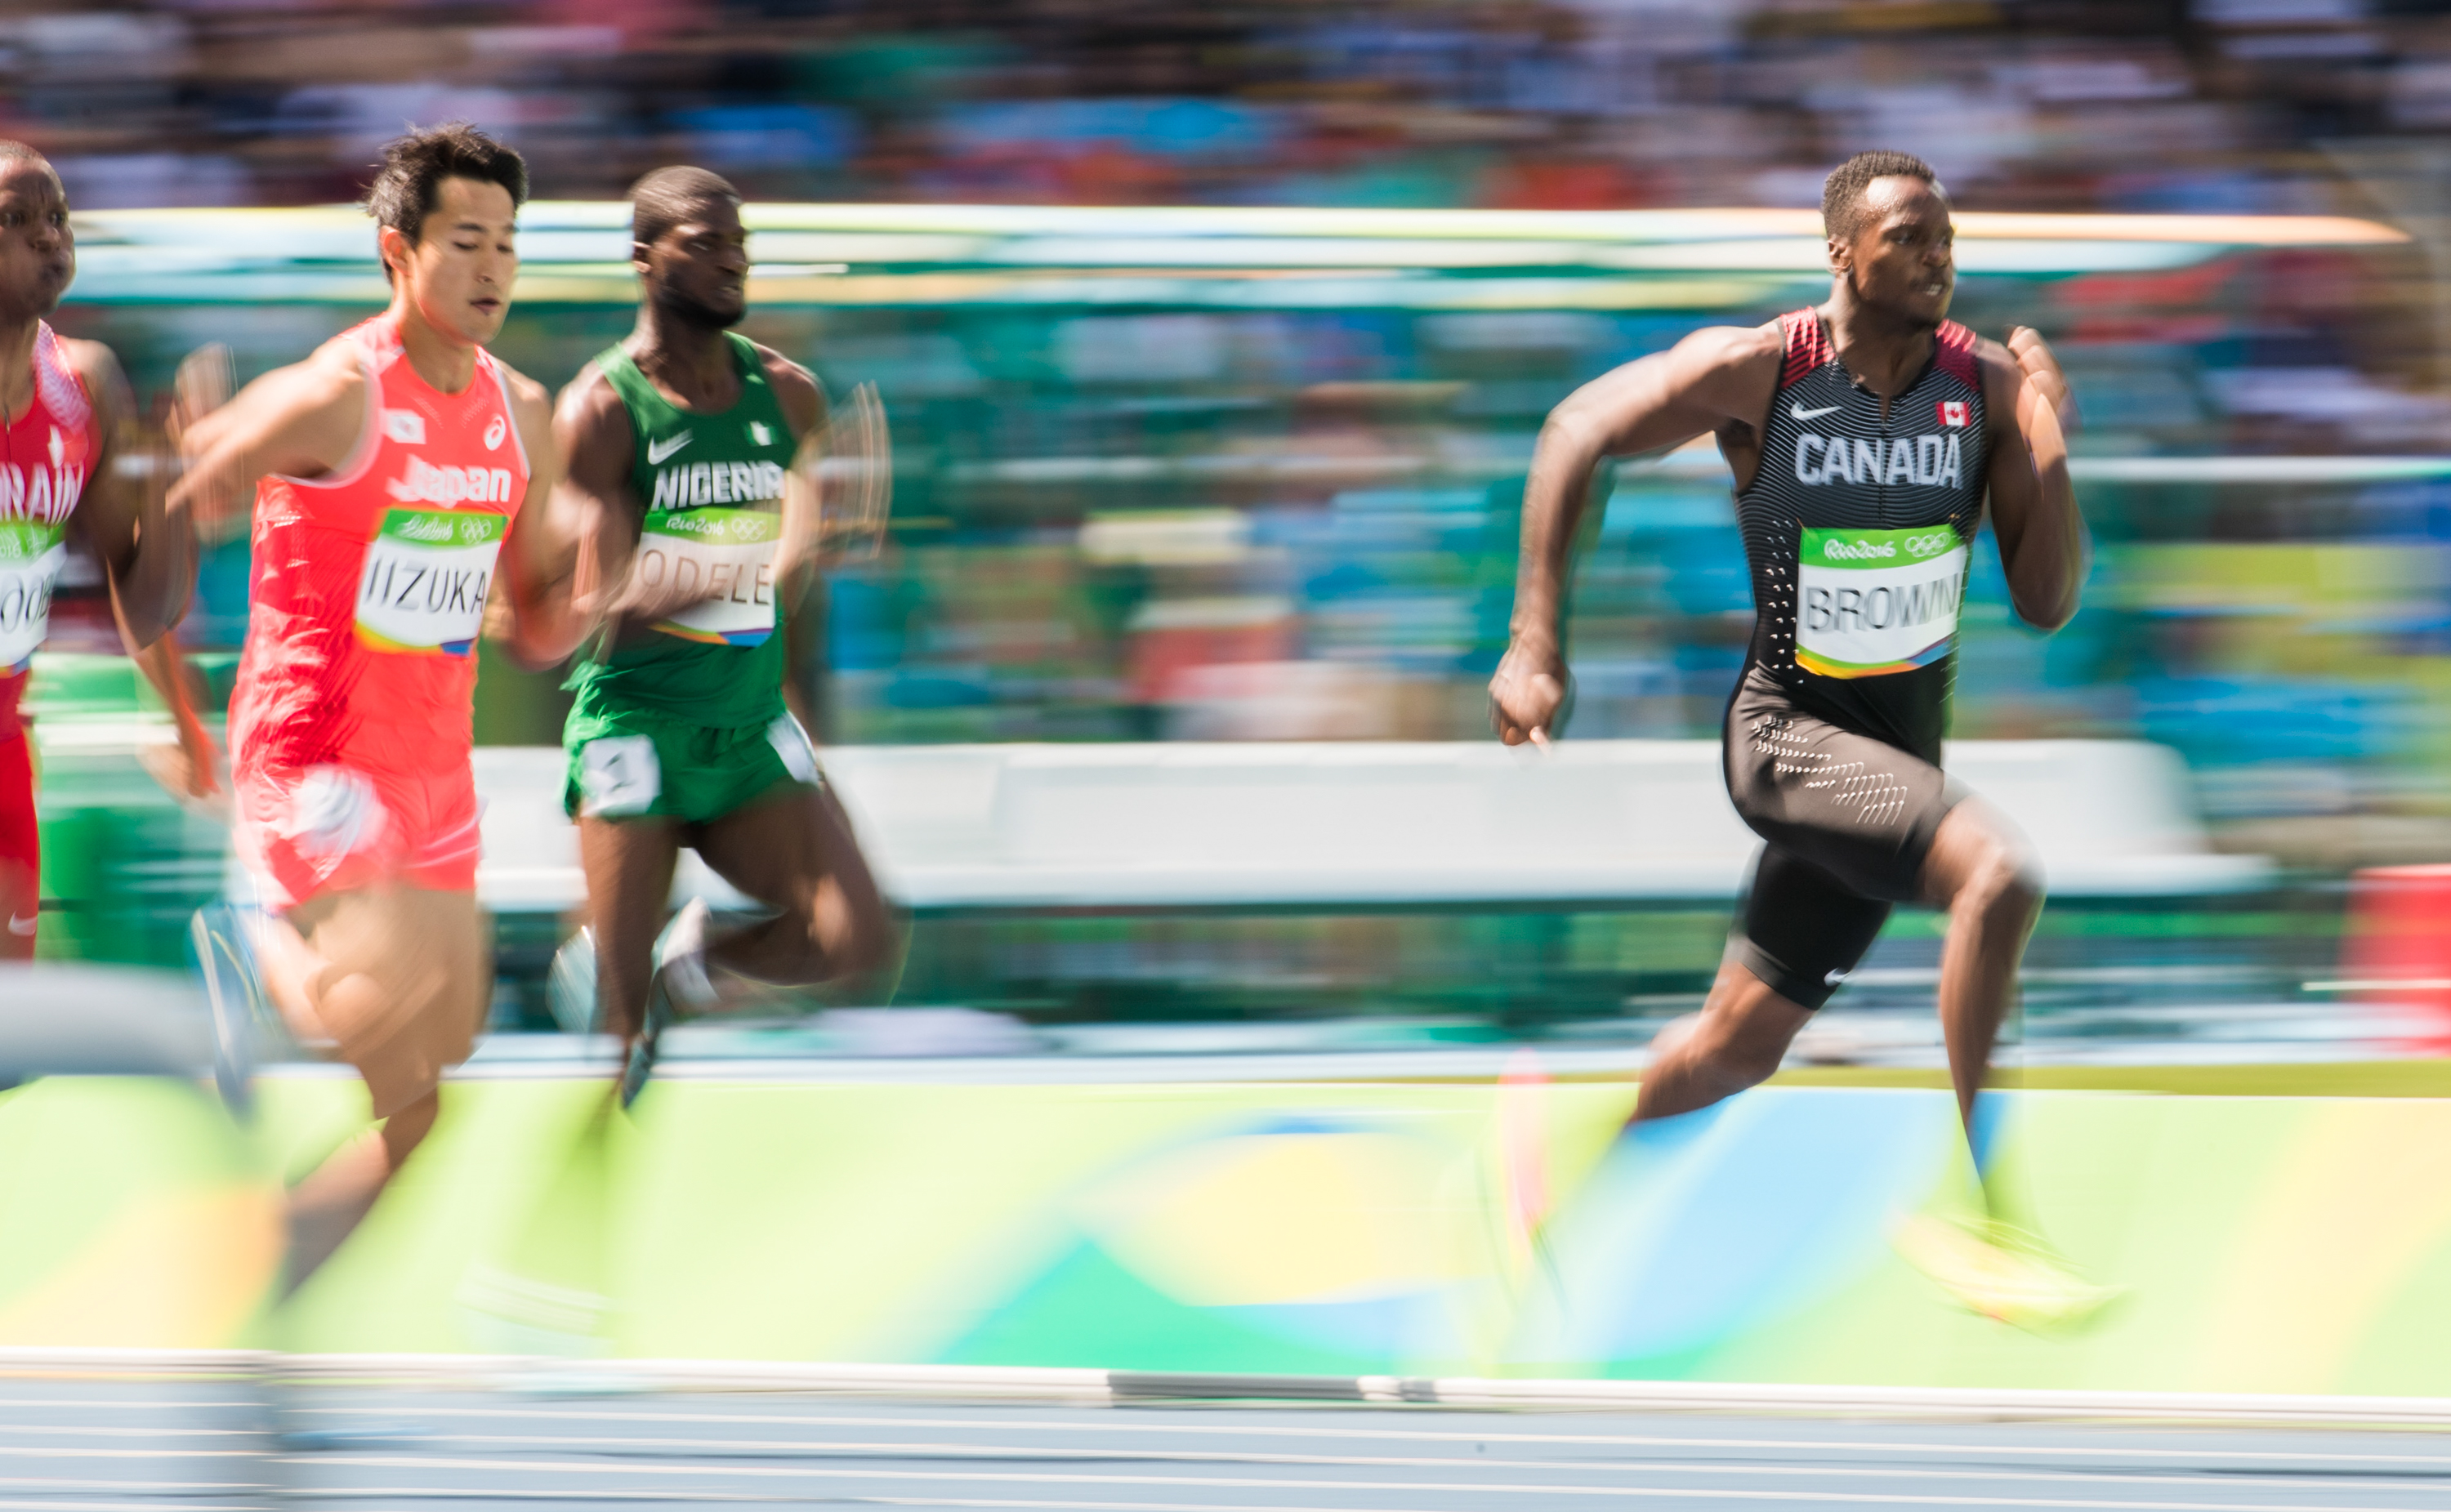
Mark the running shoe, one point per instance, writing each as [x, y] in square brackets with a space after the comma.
[2003, 1273]
[570, 987]
[680, 959]
[680, 980]
[243, 1018]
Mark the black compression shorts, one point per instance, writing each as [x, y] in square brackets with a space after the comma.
[1846, 821]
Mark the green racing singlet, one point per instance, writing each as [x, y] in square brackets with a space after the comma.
[712, 487]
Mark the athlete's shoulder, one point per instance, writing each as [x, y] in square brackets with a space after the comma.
[1730, 350]
[590, 401]
[1737, 344]
[1971, 358]
[795, 387]
[97, 369]
[333, 376]
[782, 371]
[526, 394]
[1731, 370]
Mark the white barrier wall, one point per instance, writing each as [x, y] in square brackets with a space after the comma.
[1353, 823]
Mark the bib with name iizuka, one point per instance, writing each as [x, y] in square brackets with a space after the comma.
[427, 571]
[1857, 527]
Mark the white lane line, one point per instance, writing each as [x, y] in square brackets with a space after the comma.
[618, 1452]
[44, 1451]
[1122, 1424]
[1253, 1483]
[83, 1431]
[51, 1482]
[84, 1505]
[116, 1404]
[1276, 1507]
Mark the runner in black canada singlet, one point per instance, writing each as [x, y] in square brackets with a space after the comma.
[1866, 437]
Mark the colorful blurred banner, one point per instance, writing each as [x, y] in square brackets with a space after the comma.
[2294, 1245]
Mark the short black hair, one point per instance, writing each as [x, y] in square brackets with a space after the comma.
[415, 165]
[20, 152]
[1842, 192]
[664, 199]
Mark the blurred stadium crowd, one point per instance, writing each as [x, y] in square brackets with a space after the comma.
[1235, 523]
[2178, 104]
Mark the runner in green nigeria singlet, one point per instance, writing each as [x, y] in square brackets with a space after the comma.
[687, 730]
[713, 488]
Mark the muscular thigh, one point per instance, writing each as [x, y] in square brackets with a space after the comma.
[784, 848]
[409, 976]
[629, 864]
[1859, 810]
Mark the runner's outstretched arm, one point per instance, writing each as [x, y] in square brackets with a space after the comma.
[1710, 380]
[799, 586]
[303, 421]
[147, 553]
[2043, 544]
[148, 559]
[542, 556]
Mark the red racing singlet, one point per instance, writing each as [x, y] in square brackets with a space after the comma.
[44, 457]
[369, 583]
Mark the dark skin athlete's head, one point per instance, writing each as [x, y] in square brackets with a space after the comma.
[691, 250]
[37, 250]
[1896, 257]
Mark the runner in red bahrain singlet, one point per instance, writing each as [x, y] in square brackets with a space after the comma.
[46, 453]
[62, 404]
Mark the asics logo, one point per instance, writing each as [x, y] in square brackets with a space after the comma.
[658, 450]
[1802, 413]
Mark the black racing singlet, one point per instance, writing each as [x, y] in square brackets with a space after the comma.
[1857, 529]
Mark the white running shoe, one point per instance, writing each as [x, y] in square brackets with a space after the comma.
[570, 988]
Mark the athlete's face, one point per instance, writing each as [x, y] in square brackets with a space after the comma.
[460, 270]
[37, 250]
[699, 269]
[1902, 258]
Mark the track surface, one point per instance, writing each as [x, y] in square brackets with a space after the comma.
[204, 1447]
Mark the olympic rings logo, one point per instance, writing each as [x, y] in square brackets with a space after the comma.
[1926, 545]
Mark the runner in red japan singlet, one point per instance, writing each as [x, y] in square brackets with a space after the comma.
[350, 723]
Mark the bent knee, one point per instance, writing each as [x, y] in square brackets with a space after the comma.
[853, 931]
[2005, 883]
[1738, 1060]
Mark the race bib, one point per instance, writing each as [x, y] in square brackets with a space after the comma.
[1873, 602]
[31, 555]
[423, 588]
[726, 554]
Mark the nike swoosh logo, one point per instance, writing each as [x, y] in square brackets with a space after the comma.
[658, 450]
[22, 926]
[1802, 413]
